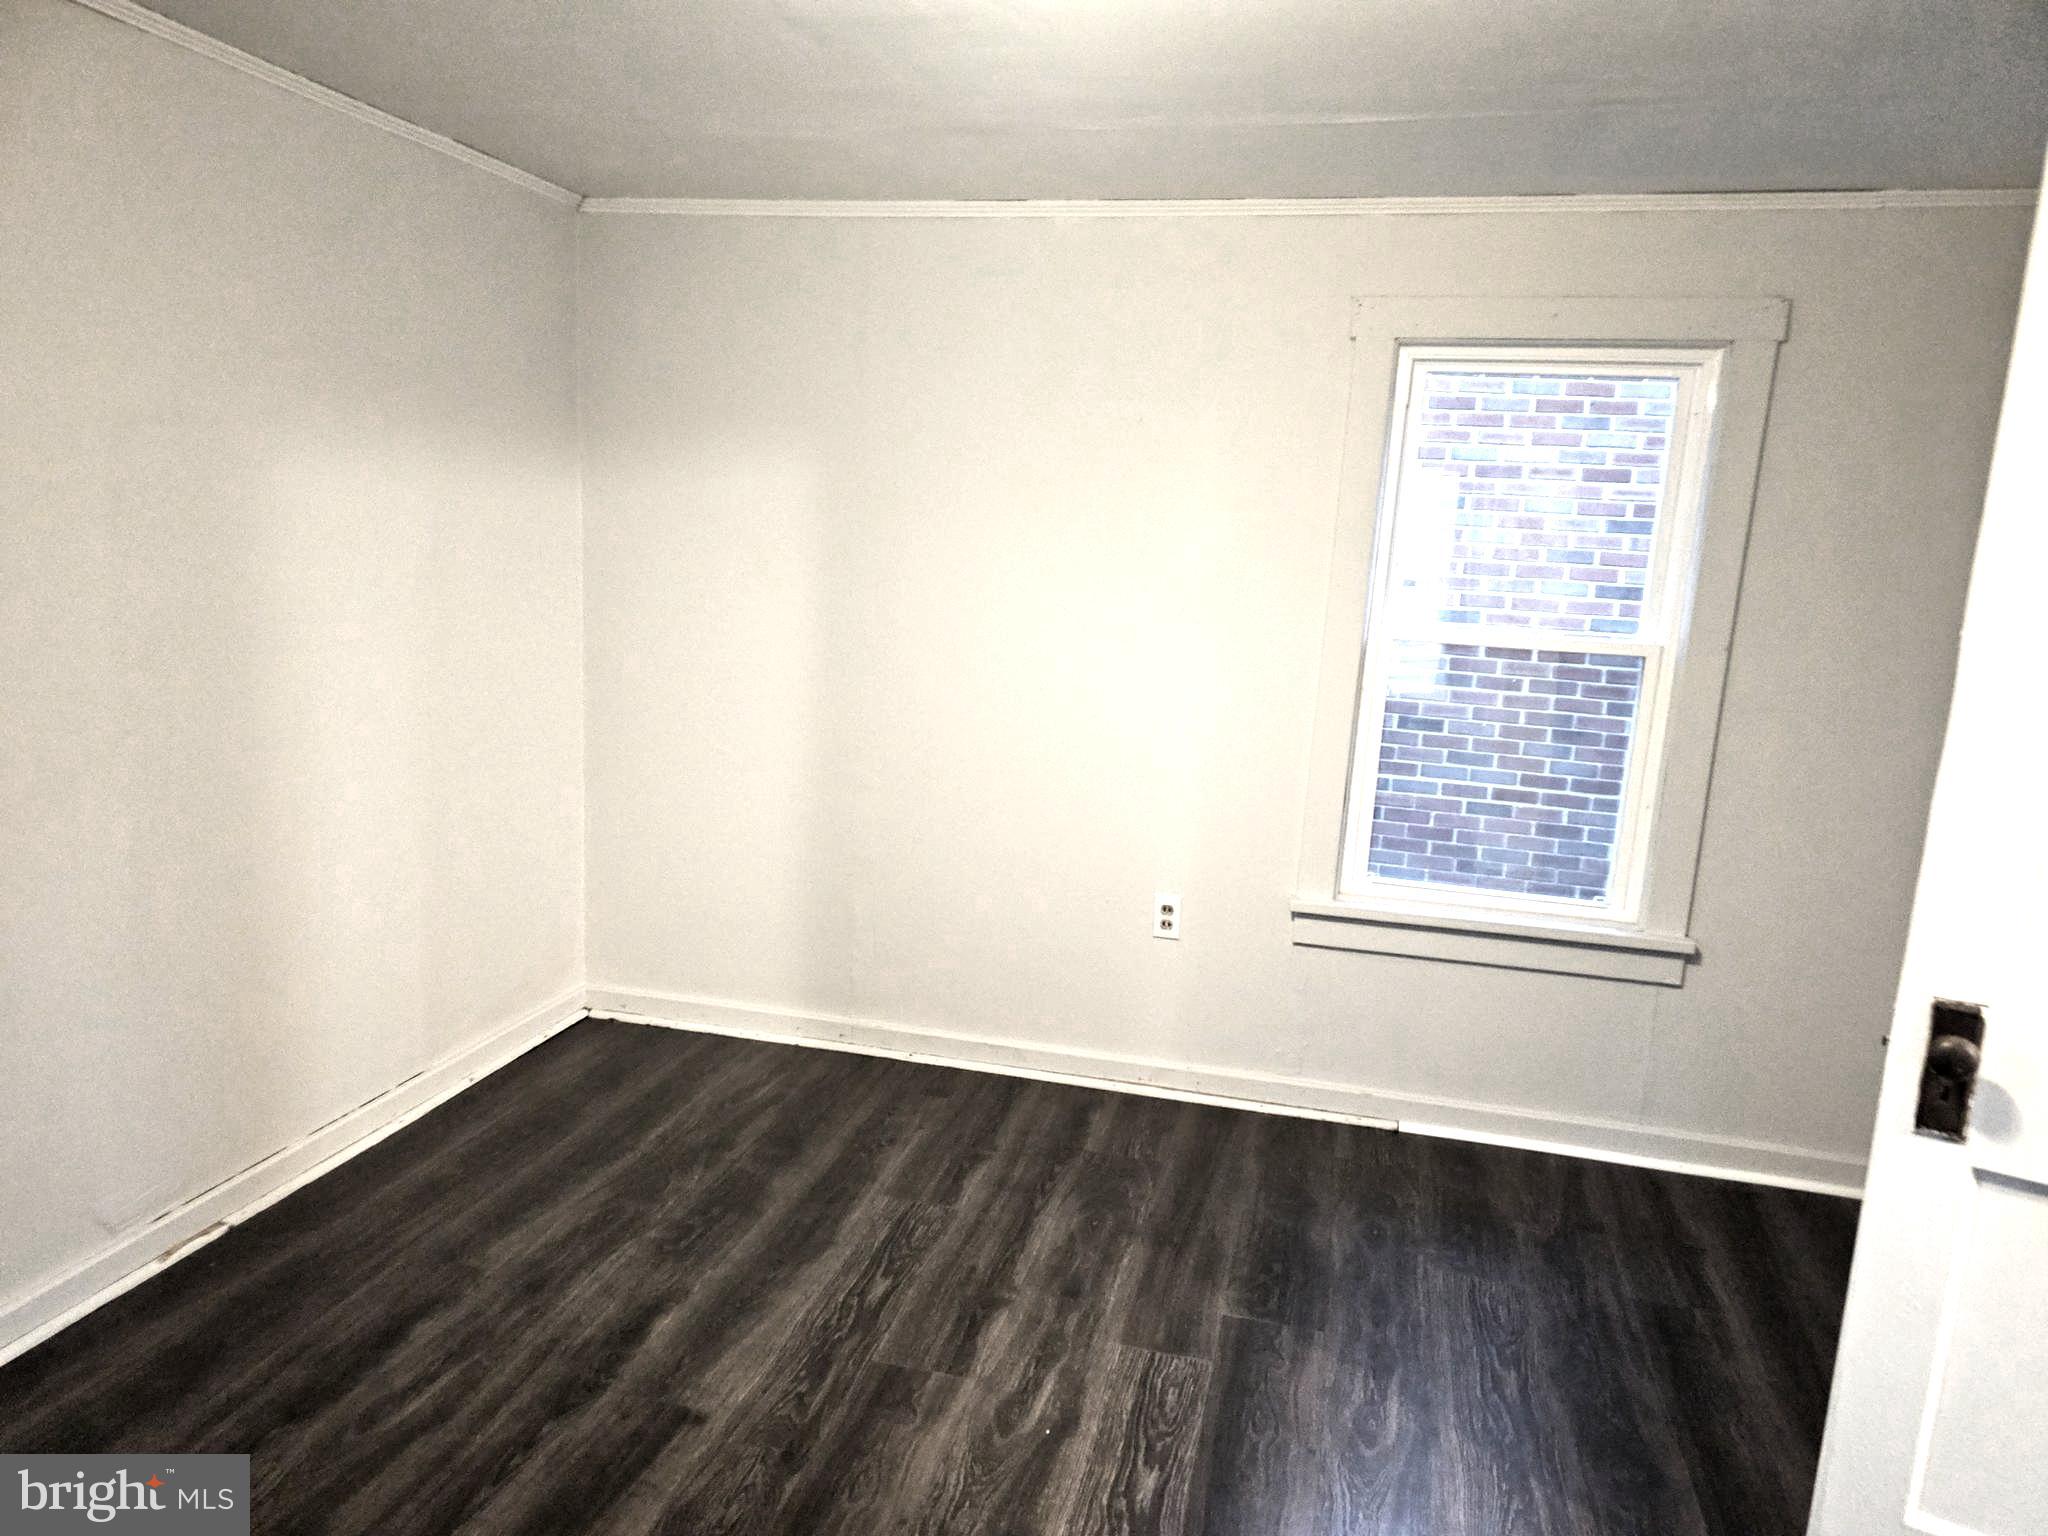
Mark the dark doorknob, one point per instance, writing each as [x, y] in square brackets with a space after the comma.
[1948, 1076]
[1953, 1058]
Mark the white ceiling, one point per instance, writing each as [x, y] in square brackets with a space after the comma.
[1189, 98]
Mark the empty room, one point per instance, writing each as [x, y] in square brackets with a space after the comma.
[1033, 767]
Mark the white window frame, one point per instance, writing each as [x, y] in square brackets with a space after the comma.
[1667, 593]
[1725, 351]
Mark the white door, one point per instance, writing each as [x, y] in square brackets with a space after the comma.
[1939, 1419]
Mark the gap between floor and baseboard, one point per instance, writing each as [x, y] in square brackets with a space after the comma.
[1751, 1162]
[27, 1319]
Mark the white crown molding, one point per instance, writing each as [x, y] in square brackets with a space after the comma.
[183, 36]
[198, 42]
[1310, 207]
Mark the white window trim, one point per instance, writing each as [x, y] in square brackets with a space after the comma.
[1646, 938]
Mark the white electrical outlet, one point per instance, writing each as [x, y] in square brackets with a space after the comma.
[1165, 916]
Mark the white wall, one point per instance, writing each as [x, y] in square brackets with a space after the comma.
[956, 584]
[290, 778]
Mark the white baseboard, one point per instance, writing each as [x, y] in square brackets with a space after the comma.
[1724, 1157]
[32, 1316]
[28, 1318]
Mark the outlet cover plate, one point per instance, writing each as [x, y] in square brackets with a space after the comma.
[1166, 915]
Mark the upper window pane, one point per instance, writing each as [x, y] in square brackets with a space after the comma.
[1529, 496]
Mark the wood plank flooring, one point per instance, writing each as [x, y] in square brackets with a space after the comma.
[644, 1281]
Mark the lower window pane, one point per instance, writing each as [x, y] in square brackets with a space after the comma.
[1501, 769]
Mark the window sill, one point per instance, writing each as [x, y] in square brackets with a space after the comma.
[1563, 946]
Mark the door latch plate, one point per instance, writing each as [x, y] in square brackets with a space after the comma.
[1948, 1077]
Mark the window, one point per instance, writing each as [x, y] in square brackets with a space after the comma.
[1533, 564]
[1544, 536]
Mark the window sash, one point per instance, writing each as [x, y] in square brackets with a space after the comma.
[1659, 639]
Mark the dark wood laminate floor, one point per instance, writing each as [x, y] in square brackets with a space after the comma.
[643, 1281]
